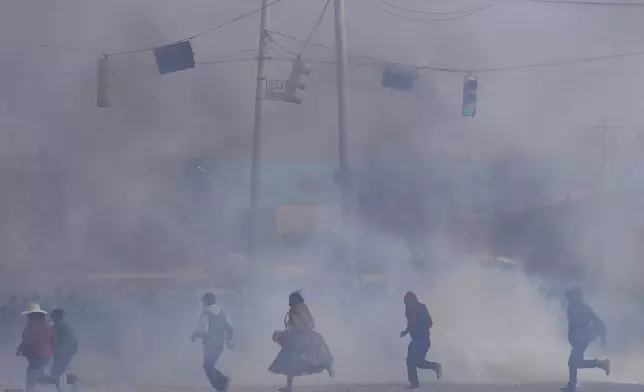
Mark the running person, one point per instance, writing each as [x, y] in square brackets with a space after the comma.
[584, 326]
[419, 322]
[214, 331]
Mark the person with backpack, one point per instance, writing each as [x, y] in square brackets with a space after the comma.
[419, 322]
[584, 326]
[215, 332]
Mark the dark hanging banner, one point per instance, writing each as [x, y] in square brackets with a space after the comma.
[399, 78]
[174, 57]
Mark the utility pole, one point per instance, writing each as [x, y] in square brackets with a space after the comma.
[346, 180]
[343, 107]
[604, 209]
[255, 175]
[606, 159]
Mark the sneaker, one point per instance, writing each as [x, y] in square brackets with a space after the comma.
[226, 385]
[439, 371]
[568, 388]
[285, 389]
[605, 366]
[72, 379]
[412, 387]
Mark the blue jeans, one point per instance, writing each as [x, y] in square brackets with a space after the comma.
[35, 371]
[211, 355]
[416, 353]
[576, 361]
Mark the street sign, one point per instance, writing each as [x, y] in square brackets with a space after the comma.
[275, 89]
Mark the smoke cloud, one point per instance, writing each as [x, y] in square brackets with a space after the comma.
[107, 189]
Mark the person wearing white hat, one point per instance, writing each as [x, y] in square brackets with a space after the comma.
[36, 345]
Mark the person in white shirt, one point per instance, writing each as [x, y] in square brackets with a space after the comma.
[215, 332]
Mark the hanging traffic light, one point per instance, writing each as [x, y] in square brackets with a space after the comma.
[295, 81]
[470, 86]
[102, 84]
[174, 57]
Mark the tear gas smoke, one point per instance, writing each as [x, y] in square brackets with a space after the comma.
[126, 208]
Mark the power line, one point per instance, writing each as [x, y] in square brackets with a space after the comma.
[379, 62]
[519, 66]
[316, 26]
[564, 62]
[96, 53]
[327, 47]
[67, 49]
[385, 2]
[53, 47]
[372, 61]
[560, 63]
[459, 15]
[219, 26]
[428, 21]
[482, 70]
[284, 35]
[280, 46]
[215, 62]
[126, 69]
[616, 4]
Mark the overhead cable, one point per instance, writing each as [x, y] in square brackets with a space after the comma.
[316, 26]
[611, 4]
[421, 12]
[429, 21]
[209, 30]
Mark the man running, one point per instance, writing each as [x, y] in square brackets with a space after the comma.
[419, 322]
[584, 326]
[65, 347]
[215, 332]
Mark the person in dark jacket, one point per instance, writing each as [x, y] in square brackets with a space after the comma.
[584, 326]
[36, 345]
[419, 322]
[214, 331]
[64, 349]
[10, 315]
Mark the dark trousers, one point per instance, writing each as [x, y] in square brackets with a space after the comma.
[416, 353]
[35, 372]
[60, 365]
[576, 361]
[210, 357]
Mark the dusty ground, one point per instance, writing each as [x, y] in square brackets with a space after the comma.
[434, 387]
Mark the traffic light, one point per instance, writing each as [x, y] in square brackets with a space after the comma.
[102, 84]
[295, 82]
[174, 57]
[470, 85]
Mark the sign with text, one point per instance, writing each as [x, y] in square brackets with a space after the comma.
[275, 89]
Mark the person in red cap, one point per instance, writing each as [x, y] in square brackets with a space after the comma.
[36, 345]
[419, 322]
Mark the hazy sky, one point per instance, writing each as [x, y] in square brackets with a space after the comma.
[48, 95]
